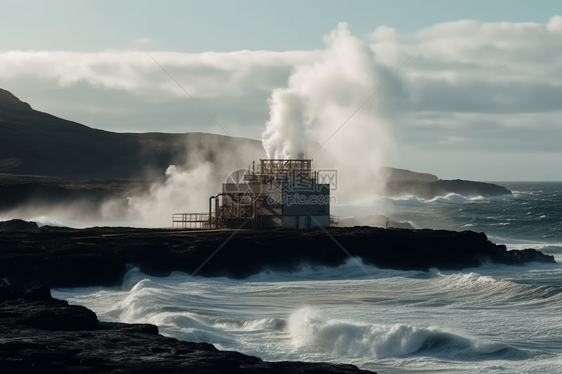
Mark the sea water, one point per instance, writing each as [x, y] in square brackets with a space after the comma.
[490, 319]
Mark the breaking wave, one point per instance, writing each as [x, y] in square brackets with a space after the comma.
[311, 331]
[451, 198]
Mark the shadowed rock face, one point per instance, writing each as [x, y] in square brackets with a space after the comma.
[402, 175]
[9, 103]
[34, 143]
[427, 186]
[16, 225]
[373, 220]
[39, 334]
[99, 256]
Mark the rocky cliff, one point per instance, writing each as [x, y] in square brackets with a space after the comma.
[99, 256]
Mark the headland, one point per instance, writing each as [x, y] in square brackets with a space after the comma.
[101, 256]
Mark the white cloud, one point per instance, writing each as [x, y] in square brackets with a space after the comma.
[202, 75]
[470, 86]
[495, 53]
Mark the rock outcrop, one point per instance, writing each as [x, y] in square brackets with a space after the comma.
[17, 225]
[39, 334]
[403, 175]
[100, 256]
[373, 220]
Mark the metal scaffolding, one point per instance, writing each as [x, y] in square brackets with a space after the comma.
[243, 198]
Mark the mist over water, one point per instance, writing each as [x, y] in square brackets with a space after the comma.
[494, 318]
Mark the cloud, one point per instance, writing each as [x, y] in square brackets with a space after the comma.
[128, 91]
[466, 66]
[203, 75]
[478, 88]
[470, 86]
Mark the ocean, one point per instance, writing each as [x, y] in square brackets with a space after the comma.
[490, 319]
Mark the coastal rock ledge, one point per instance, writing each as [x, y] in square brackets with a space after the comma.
[39, 334]
[102, 256]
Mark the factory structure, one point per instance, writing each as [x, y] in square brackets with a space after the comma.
[276, 193]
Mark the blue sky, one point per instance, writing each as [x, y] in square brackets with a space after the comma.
[481, 99]
[226, 25]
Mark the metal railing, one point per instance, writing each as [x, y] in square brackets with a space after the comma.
[190, 220]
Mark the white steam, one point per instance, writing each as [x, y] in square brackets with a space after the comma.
[320, 97]
[187, 186]
[323, 92]
[182, 191]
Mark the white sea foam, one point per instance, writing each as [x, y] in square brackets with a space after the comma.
[382, 203]
[50, 221]
[309, 330]
[350, 269]
[251, 324]
[339, 314]
[451, 198]
[492, 318]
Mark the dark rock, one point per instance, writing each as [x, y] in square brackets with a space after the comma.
[402, 175]
[34, 339]
[16, 225]
[35, 307]
[373, 220]
[100, 256]
[528, 255]
[38, 293]
[8, 103]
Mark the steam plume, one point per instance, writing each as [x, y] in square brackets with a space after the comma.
[319, 98]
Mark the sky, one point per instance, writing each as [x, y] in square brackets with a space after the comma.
[475, 88]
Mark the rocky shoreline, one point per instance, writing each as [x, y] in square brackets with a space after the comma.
[55, 257]
[40, 334]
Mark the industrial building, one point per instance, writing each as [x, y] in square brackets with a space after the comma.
[274, 193]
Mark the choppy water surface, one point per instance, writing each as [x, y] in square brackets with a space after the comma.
[497, 319]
